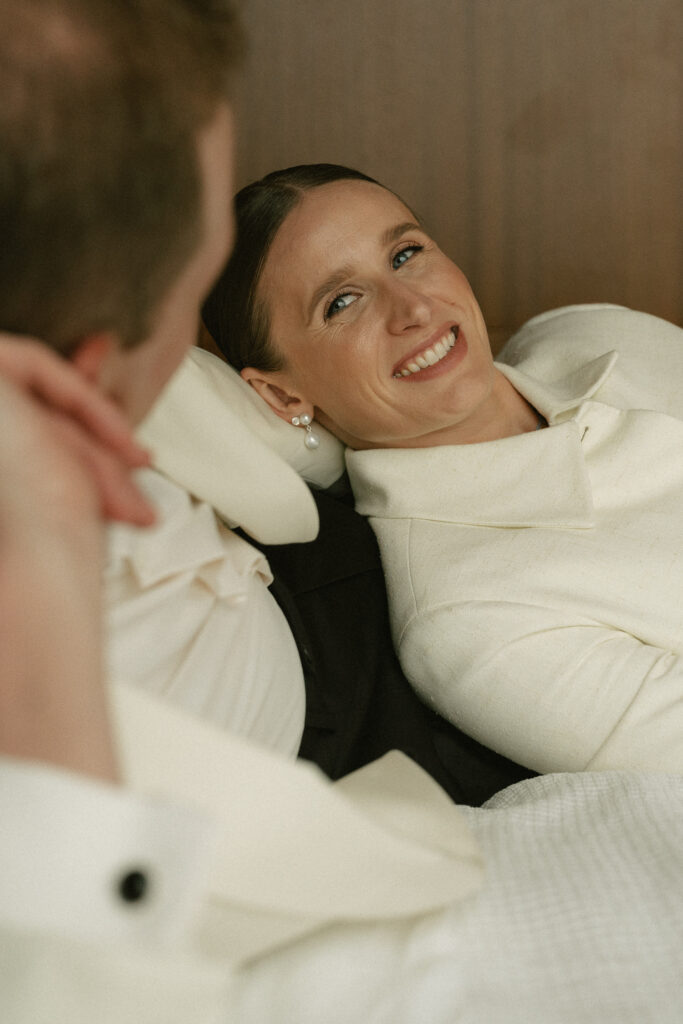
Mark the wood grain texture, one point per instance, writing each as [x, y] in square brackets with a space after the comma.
[540, 140]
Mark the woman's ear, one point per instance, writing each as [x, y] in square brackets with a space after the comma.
[274, 391]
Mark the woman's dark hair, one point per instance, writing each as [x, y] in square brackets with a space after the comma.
[232, 316]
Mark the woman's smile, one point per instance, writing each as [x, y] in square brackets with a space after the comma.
[437, 357]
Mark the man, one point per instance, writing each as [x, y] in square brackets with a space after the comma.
[97, 255]
[116, 219]
[145, 901]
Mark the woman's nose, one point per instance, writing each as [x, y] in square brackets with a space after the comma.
[407, 306]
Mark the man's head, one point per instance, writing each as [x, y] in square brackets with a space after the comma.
[115, 185]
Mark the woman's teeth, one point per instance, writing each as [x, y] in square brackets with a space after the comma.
[430, 356]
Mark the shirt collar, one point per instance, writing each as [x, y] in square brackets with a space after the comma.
[294, 852]
[186, 538]
[537, 479]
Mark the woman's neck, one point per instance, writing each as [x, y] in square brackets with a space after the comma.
[504, 413]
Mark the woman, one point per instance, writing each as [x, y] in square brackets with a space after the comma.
[528, 511]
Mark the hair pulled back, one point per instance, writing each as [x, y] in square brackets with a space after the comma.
[236, 321]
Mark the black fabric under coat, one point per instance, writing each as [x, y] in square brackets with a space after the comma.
[359, 703]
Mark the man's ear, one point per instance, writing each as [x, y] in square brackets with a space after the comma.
[92, 357]
[273, 389]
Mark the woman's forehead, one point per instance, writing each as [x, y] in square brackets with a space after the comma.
[332, 222]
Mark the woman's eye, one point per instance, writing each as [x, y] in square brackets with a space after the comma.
[404, 255]
[339, 302]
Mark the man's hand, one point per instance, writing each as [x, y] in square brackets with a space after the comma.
[65, 461]
[84, 420]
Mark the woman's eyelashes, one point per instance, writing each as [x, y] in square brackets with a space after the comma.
[339, 303]
[404, 254]
[343, 300]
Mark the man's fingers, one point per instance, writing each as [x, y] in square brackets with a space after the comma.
[33, 367]
[119, 496]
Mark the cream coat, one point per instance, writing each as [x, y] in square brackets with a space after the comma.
[536, 583]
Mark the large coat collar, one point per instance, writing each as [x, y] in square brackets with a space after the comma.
[536, 479]
[556, 399]
[204, 436]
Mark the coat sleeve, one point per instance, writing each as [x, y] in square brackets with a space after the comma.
[552, 694]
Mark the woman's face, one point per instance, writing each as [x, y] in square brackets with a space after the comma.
[379, 331]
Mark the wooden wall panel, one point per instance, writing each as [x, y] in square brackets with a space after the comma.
[541, 140]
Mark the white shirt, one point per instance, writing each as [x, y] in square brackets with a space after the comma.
[244, 853]
[578, 919]
[190, 618]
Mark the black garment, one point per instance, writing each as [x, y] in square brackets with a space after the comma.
[359, 703]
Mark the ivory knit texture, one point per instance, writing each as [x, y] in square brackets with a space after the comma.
[536, 582]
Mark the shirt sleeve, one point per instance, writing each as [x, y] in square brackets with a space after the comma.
[121, 868]
[551, 694]
[53, 979]
[99, 893]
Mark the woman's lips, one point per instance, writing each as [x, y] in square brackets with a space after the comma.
[435, 358]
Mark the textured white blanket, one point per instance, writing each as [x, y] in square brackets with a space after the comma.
[580, 921]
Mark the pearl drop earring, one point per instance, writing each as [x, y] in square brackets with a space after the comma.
[311, 440]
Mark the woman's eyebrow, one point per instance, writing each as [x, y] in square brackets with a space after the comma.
[394, 233]
[338, 276]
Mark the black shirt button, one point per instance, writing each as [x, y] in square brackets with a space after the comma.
[133, 886]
